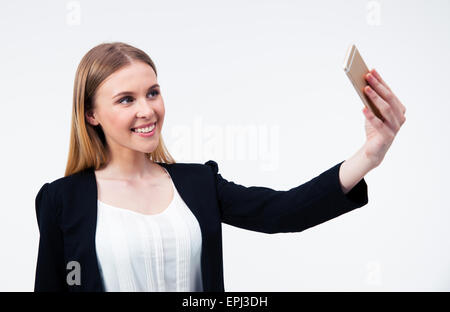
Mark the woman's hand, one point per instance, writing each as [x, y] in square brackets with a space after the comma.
[381, 134]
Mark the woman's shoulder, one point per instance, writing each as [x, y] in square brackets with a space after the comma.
[68, 183]
[182, 167]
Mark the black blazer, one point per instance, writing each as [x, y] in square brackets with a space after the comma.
[66, 211]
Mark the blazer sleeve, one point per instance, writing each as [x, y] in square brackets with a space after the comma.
[270, 211]
[50, 270]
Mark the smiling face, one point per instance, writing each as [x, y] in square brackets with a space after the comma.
[129, 98]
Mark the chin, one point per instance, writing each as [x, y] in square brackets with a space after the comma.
[150, 150]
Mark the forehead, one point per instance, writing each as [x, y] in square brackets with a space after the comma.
[134, 77]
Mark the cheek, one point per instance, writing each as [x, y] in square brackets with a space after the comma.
[118, 122]
[160, 110]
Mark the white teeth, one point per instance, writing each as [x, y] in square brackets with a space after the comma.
[145, 130]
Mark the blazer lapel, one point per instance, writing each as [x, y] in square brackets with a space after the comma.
[92, 202]
[185, 182]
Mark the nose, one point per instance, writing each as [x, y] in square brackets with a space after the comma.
[144, 108]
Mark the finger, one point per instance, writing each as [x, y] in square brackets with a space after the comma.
[381, 89]
[385, 109]
[401, 117]
[402, 107]
[377, 75]
[387, 95]
[376, 123]
[374, 120]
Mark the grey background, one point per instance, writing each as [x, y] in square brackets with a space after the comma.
[273, 66]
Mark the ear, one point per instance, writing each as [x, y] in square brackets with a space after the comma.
[90, 118]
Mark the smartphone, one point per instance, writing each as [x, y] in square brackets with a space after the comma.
[356, 69]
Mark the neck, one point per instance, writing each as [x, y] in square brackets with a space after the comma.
[130, 165]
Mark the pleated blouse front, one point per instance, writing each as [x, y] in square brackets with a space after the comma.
[144, 253]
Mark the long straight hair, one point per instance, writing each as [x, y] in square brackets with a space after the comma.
[87, 142]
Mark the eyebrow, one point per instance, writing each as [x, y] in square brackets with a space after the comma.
[130, 92]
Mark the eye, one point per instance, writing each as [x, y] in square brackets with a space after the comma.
[126, 97]
[154, 92]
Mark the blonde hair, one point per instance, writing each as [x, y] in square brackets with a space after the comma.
[87, 142]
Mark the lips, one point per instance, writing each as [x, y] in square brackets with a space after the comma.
[144, 126]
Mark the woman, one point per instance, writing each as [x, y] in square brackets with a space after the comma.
[127, 217]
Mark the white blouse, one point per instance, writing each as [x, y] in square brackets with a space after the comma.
[160, 252]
